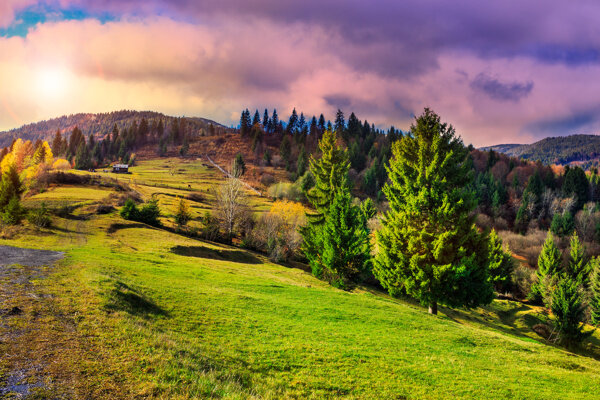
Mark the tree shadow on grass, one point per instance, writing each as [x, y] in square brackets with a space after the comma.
[118, 226]
[237, 256]
[124, 298]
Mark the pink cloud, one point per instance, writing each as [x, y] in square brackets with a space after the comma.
[8, 8]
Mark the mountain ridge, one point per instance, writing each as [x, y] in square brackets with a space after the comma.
[98, 124]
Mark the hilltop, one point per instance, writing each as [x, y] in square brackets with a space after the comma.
[98, 124]
[555, 150]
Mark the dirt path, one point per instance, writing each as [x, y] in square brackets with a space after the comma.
[20, 375]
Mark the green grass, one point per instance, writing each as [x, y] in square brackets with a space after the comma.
[173, 317]
[134, 311]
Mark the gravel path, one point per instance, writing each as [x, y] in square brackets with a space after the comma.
[31, 258]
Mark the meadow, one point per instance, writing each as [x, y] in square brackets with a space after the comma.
[140, 312]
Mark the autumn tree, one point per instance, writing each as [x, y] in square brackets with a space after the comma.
[429, 247]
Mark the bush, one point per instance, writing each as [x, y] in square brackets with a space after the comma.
[267, 180]
[182, 213]
[523, 278]
[13, 212]
[148, 214]
[40, 217]
[210, 227]
[285, 191]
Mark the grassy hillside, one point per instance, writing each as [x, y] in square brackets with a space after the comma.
[138, 312]
[557, 150]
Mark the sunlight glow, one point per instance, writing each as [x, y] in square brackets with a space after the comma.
[52, 82]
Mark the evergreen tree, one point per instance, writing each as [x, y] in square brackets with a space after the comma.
[292, 125]
[13, 212]
[576, 184]
[285, 151]
[256, 119]
[577, 269]
[57, 144]
[265, 120]
[569, 312]
[340, 123]
[267, 157]
[595, 290]
[501, 263]
[321, 124]
[11, 186]
[274, 120]
[429, 246]
[182, 213]
[346, 251]
[549, 262]
[330, 174]
[83, 159]
[238, 168]
[301, 162]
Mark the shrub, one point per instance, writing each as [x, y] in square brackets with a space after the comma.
[148, 214]
[267, 180]
[523, 278]
[182, 213]
[210, 227]
[13, 212]
[285, 190]
[40, 217]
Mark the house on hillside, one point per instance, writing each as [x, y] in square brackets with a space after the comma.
[120, 168]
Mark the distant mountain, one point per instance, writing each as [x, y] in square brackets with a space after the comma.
[555, 150]
[97, 124]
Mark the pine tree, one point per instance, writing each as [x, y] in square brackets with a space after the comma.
[57, 143]
[549, 262]
[340, 124]
[182, 213]
[569, 312]
[429, 246]
[577, 269]
[301, 162]
[11, 186]
[285, 151]
[292, 126]
[256, 119]
[595, 290]
[329, 173]
[346, 251]
[501, 263]
[265, 120]
[239, 166]
[274, 121]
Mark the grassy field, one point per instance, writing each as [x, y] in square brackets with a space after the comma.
[138, 312]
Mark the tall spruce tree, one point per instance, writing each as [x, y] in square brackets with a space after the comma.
[501, 263]
[329, 172]
[429, 246]
[345, 241]
[569, 311]
[595, 290]
[577, 269]
[549, 262]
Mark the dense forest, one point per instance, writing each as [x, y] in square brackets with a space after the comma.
[97, 124]
[556, 150]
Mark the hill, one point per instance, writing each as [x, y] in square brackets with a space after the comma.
[555, 150]
[98, 124]
[140, 312]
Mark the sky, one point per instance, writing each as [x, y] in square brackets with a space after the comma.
[511, 71]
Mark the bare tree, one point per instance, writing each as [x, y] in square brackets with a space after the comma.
[231, 202]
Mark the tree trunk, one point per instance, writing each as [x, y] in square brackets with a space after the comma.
[433, 308]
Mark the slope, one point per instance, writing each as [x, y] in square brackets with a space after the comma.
[135, 311]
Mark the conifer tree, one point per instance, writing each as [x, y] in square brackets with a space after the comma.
[285, 151]
[501, 263]
[340, 123]
[301, 162]
[239, 166]
[57, 143]
[429, 246]
[10, 186]
[274, 120]
[182, 213]
[329, 173]
[595, 290]
[549, 262]
[256, 119]
[577, 269]
[346, 250]
[569, 311]
[265, 120]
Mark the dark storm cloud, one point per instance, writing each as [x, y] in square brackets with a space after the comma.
[502, 91]
[565, 125]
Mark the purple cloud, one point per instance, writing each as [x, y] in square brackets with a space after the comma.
[501, 91]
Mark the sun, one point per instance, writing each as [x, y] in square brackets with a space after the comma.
[52, 82]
